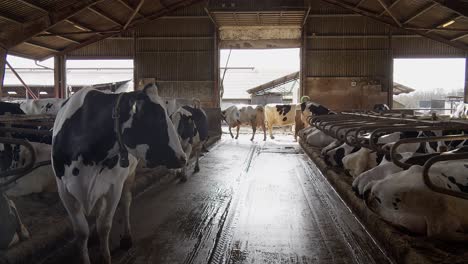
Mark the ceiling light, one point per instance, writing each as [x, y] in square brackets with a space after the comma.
[42, 92]
[12, 92]
[448, 23]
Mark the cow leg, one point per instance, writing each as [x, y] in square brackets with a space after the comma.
[20, 228]
[197, 156]
[254, 129]
[238, 128]
[77, 216]
[270, 130]
[188, 152]
[126, 200]
[264, 131]
[104, 220]
[230, 132]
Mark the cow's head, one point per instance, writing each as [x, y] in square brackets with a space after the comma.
[183, 123]
[150, 134]
[335, 156]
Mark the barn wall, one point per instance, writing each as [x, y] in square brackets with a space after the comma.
[344, 69]
[179, 52]
[348, 57]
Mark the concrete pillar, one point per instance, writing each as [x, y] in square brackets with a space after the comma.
[60, 76]
[303, 64]
[466, 80]
[3, 54]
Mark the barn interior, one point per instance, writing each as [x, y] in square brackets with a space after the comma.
[253, 201]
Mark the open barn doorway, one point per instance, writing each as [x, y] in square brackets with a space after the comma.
[110, 75]
[428, 85]
[259, 76]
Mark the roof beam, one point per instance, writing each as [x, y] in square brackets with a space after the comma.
[46, 22]
[375, 16]
[459, 37]
[389, 12]
[62, 37]
[130, 19]
[105, 16]
[40, 46]
[359, 3]
[11, 19]
[122, 2]
[390, 7]
[419, 13]
[458, 6]
[24, 2]
[169, 9]
[80, 26]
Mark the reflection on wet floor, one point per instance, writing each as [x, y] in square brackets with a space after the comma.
[260, 202]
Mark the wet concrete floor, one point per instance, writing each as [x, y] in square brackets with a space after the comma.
[250, 203]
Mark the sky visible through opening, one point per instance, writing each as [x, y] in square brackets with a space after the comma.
[430, 74]
[268, 64]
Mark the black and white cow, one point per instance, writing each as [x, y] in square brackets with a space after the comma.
[285, 115]
[46, 106]
[97, 141]
[238, 115]
[12, 229]
[191, 124]
[405, 201]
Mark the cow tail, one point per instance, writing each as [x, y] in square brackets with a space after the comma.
[196, 103]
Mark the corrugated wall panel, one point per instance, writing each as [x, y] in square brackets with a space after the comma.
[372, 63]
[177, 27]
[420, 47]
[178, 52]
[107, 48]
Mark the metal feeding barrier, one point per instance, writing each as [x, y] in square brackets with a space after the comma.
[365, 129]
[14, 129]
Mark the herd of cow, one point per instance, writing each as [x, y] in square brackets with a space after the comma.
[400, 196]
[97, 140]
[271, 115]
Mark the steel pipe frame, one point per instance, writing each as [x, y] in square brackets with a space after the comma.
[322, 125]
[332, 124]
[393, 151]
[427, 181]
[357, 132]
[20, 172]
[382, 131]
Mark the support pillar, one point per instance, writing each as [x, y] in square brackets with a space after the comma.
[303, 64]
[465, 94]
[60, 76]
[216, 73]
[3, 54]
[390, 72]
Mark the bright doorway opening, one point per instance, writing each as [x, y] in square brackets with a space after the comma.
[265, 71]
[109, 75]
[428, 85]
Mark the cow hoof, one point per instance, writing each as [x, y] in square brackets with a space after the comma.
[236, 137]
[126, 242]
[251, 139]
[196, 169]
